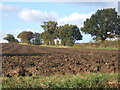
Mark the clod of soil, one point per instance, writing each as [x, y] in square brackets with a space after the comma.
[26, 60]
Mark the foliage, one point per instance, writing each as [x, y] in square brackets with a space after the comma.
[68, 34]
[48, 35]
[85, 80]
[57, 42]
[11, 39]
[118, 28]
[108, 44]
[26, 36]
[36, 40]
[102, 25]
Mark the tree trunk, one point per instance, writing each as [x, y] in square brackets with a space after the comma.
[53, 43]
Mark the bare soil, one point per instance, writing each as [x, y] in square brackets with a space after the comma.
[26, 60]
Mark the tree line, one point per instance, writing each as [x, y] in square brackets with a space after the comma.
[102, 25]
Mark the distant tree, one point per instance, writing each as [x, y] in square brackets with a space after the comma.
[118, 28]
[26, 36]
[11, 39]
[57, 42]
[36, 40]
[48, 35]
[68, 34]
[102, 25]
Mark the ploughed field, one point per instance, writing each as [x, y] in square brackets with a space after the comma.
[26, 60]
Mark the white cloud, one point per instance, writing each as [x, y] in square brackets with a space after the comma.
[75, 19]
[98, 5]
[3, 41]
[8, 8]
[1, 37]
[37, 15]
[107, 5]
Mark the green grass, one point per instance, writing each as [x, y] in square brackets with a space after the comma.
[78, 47]
[60, 46]
[95, 48]
[0, 83]
[86, 80]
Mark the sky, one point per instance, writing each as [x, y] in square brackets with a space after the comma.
[28, 16]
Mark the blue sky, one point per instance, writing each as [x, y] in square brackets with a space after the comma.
[28, 16]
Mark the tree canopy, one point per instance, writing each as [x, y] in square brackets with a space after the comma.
[68, 34]
[102, 25]
[11, 39]
[25, 36]
[48, 35]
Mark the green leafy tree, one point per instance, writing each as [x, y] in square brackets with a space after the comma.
[36, 40]
[102, 25]
[57, 42]
[26, 36]
[68, 34]
[11, 39]
[118, 28]
[48, 35]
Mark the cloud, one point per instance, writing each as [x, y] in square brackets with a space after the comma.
[8, 8]
[101, 5]
[96, 5]
[37, 15]
[1, 37]
[75, 19]
[78, 18]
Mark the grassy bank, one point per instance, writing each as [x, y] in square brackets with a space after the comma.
[105, 45]
[108, 48]
[86, 80]
[109, 45]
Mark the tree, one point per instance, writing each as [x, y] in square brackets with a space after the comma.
[68, 34]
[11, 39]
[102, 25]
[48, 35]
[36, 40]
[26, 36]
[118, 28]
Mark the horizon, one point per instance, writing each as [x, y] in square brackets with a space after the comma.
[28, 16]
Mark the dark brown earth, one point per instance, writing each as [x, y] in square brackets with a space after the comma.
[26, 60]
